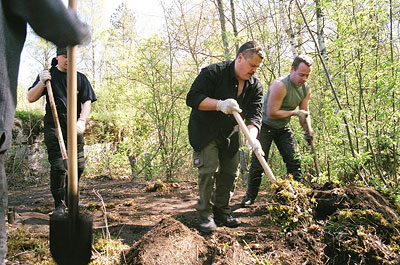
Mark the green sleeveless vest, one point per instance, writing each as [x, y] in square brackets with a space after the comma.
[294, 96]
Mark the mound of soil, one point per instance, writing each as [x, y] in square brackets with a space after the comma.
[169, 242]
[361, 225]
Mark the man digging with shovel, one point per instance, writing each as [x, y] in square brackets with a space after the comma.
[283, 97]
[58, 76]
[219, 90]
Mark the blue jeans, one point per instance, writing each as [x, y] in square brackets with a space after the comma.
[288, 149]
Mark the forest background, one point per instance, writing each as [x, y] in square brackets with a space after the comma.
[139, 123]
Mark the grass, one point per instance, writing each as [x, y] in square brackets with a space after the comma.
[26, 247]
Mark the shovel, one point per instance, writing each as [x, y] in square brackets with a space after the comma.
[57, 124]
[71, 233]
[68, 247]
[260, 158]
[311, 142]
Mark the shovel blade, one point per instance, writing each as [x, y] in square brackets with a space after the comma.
[71, 247]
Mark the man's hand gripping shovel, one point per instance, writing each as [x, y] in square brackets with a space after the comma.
[260, 158]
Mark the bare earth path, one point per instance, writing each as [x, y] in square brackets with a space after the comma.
[131, 210]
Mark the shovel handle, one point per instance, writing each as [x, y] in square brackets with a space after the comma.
[73, 196]
[316, 164]
[315, 158]
[260, 158]
[56, 121]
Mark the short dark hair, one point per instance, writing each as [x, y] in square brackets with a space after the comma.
[61, 51]
[302, 58]
[250, 48]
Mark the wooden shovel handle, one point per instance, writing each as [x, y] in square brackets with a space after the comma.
[73, 195]
[56, 121]
[260, 158]
[316, 164]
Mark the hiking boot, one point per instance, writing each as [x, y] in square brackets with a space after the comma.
[207, 225]
[226, 220]
[59, 210]
[247, 201]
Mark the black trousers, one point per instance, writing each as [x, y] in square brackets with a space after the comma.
[288, 149]
[58, 171]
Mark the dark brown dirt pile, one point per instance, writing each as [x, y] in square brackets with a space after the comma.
[361, 226]
[169, 242]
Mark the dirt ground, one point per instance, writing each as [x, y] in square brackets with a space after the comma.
[288, 224]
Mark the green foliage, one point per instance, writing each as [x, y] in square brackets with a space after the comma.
[147, 122]
[362, 70]
[163, 103]
[144, 81]
[23, 164]
[392, 194]
[112, 137]
[34, 116]
[291, 205]
[31, 122]
[107, 250]
[282, 215]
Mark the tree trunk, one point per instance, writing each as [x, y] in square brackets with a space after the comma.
[329, 78]
[393, 93]
[320, 30]
[235, 31]
[288, 29]
[132, 162]
[223, 28]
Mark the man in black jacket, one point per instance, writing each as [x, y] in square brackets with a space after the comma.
[217, 91]
[51, 20]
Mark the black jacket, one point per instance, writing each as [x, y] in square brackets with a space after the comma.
[218, 81]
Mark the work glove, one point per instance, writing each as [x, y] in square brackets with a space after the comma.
[256, 147]
[302, 114]
[227, 106]
[44, 75]
[80, 126]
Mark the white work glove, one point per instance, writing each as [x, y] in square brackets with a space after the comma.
[256, 147]
[44, 76]
[302, 114]
[80, 126]
[227, 106]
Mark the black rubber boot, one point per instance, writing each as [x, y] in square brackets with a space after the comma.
[223, 219]
[207, 225]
